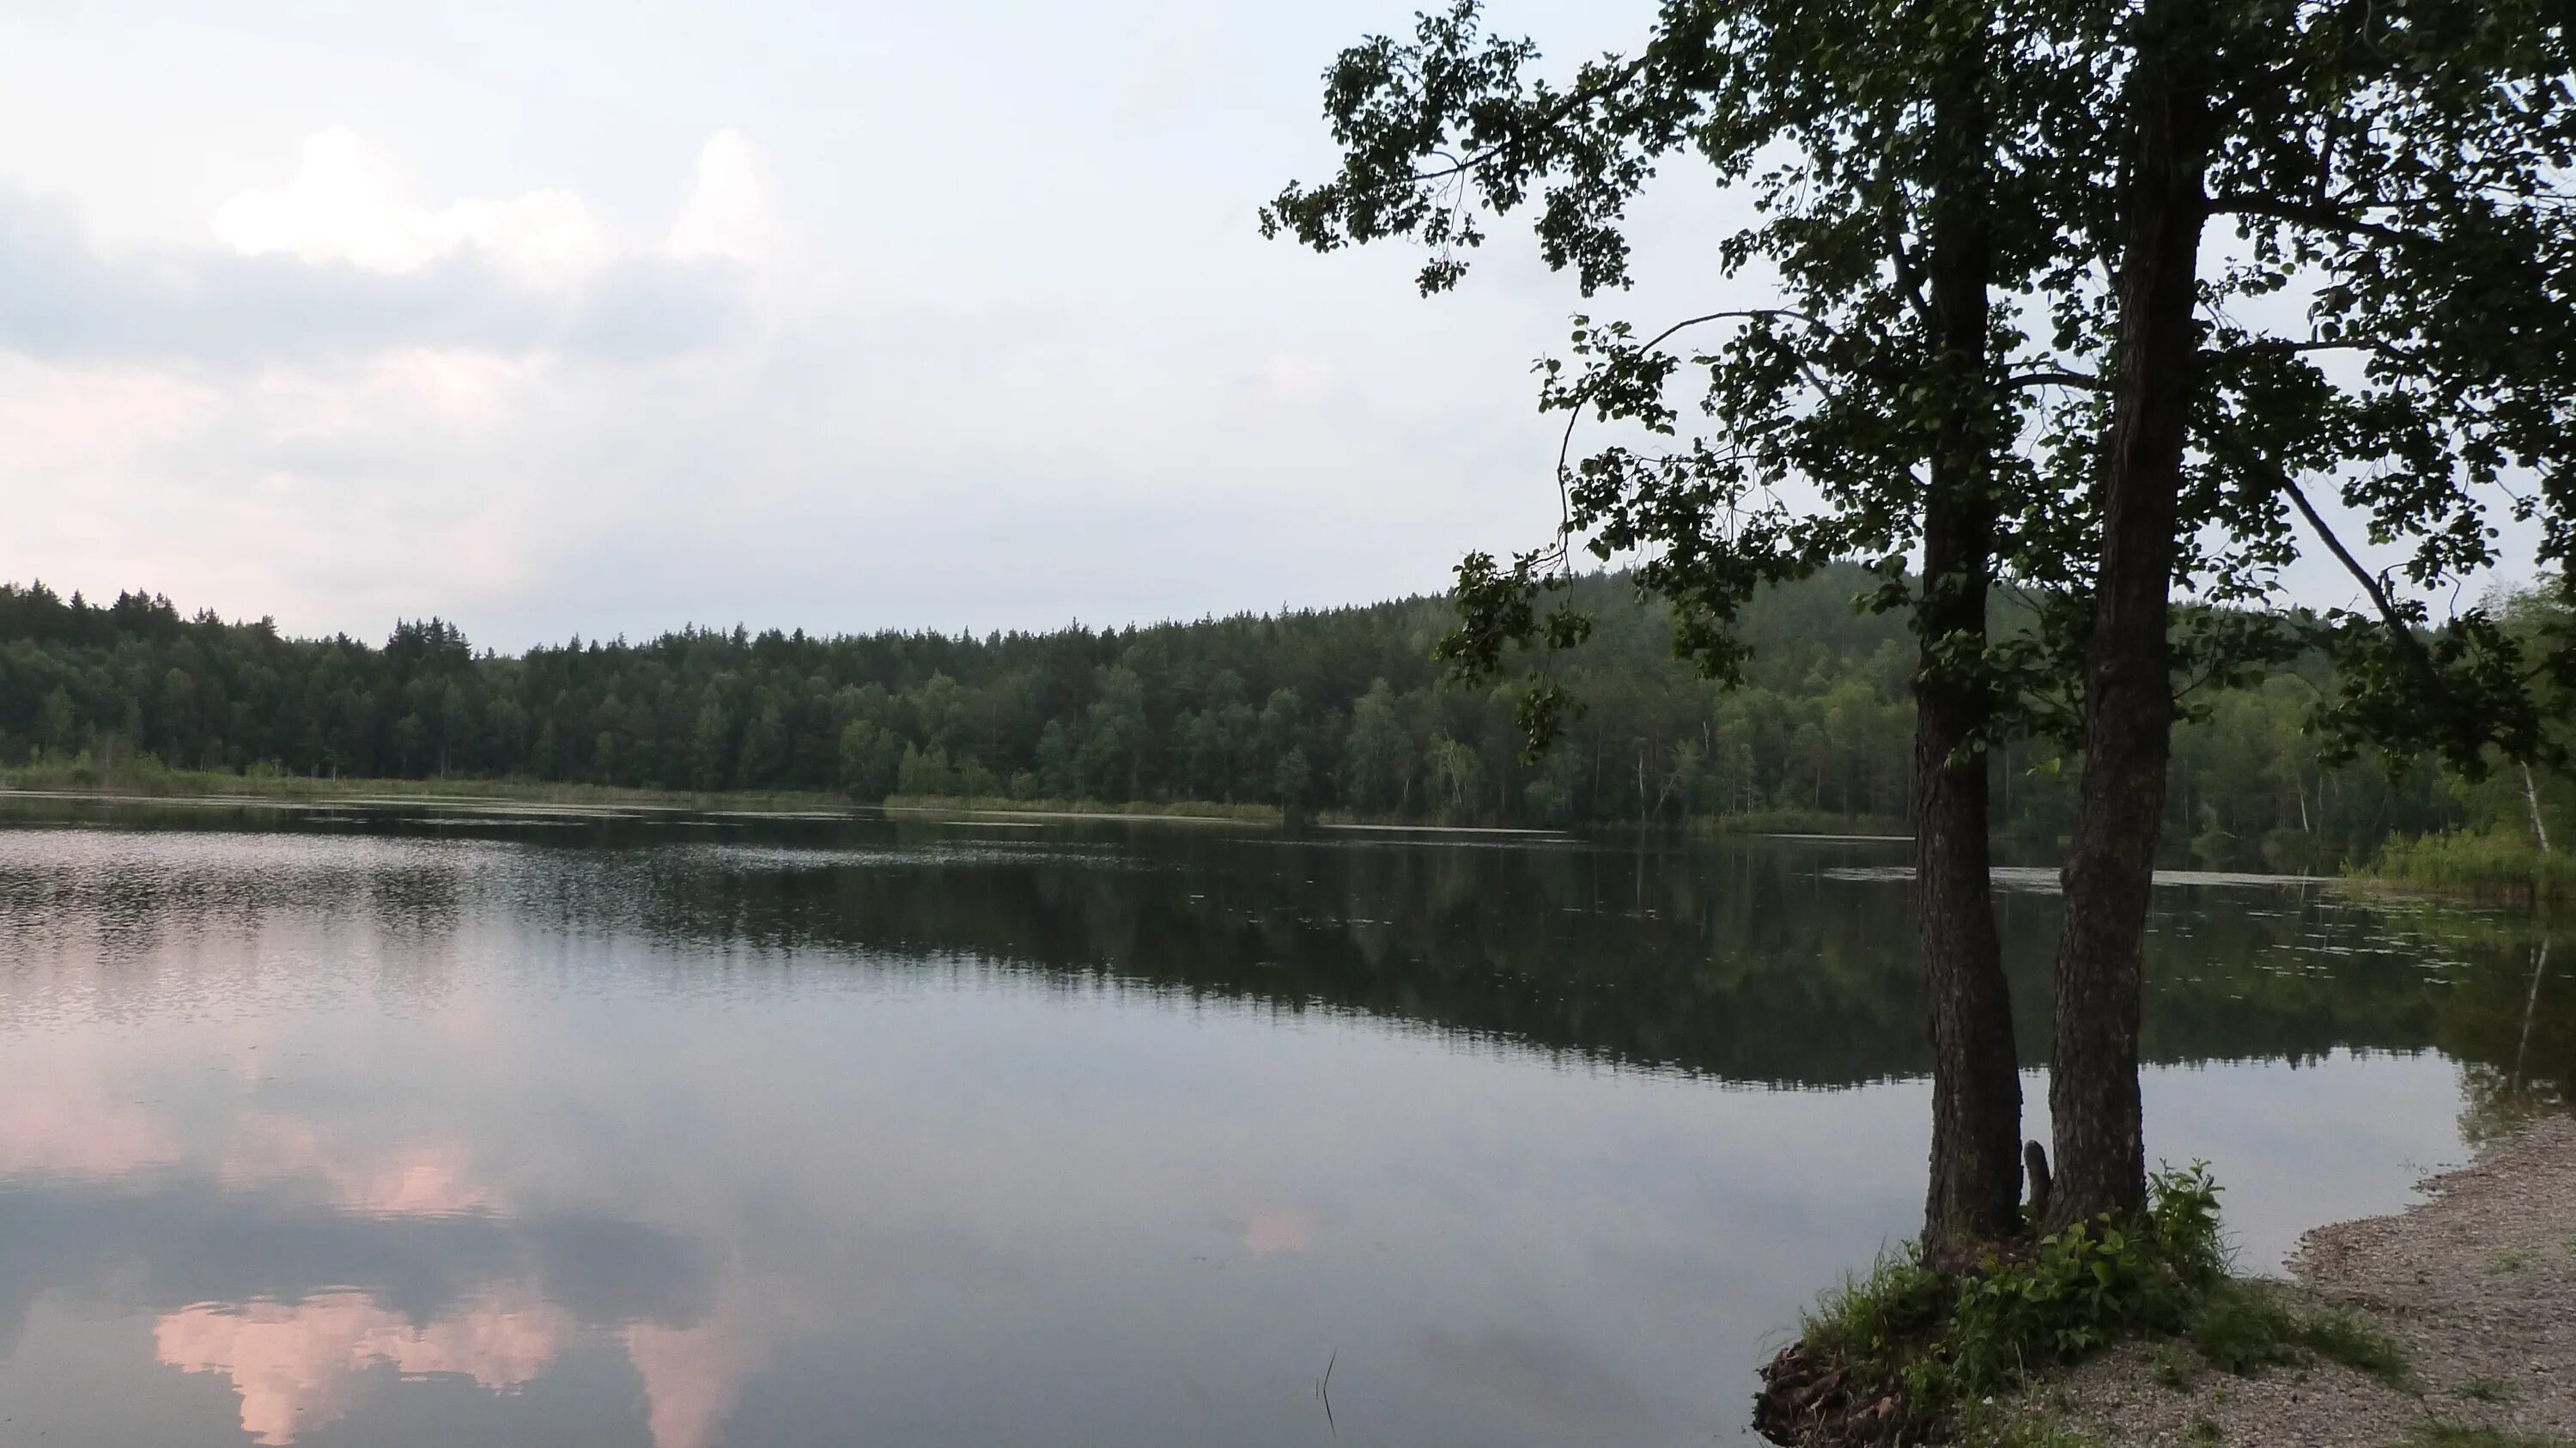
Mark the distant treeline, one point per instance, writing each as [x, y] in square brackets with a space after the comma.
[1329, 710]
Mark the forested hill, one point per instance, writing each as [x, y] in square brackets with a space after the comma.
[1338, 709]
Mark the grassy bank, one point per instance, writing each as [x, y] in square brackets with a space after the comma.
[1910, 1354]
[1196, 809]
[145, 777]
[2482, 865]
[1800, 822]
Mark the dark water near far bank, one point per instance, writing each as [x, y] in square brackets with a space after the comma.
[375, 1128]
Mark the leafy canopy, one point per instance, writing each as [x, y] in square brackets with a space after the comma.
[2389, 312]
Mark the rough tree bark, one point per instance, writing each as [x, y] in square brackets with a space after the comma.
[1975, 1190]
[2128, 699]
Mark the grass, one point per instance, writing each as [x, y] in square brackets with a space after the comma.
[2174, 1370]
[143, 776]
[2437, 1433]
[1946, 1348]
[1197, 809]
[2485, 1390]
[1800, 822]
[2488, 865]
[1982, 1426]
[1941, 1345]
[2245, 1327]
[2508, 1261]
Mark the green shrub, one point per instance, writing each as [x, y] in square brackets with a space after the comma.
[1939, 1343]
[2087, 1284]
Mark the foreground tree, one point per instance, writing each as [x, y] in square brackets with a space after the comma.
[1874, 377]
[2405, 165]
[1993, 339]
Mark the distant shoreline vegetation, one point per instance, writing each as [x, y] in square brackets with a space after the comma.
[2501, 864]
[1335, 714]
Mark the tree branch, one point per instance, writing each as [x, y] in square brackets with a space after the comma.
[2317, 217]
[1574, 98]
[1574, 410]
[2313, 344]
[2404, 637]
[1742, 315]
[2053, 377]
[1909, 279]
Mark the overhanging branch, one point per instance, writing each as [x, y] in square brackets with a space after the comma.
[2317, 217]
[2404, 637]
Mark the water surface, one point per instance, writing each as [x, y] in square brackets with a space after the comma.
[353, 1127]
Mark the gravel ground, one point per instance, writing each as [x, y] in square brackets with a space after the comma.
[2478, 1284]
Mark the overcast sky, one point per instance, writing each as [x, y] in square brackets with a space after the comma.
[607, 318]
[601, 318]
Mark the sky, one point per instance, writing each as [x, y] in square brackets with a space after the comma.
[603, 319]
[597, 319]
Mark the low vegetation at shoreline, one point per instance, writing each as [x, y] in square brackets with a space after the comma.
[2493, 864]
[2499, 864]
[2447, 1325]
[1802, 822]
[145, 777]
[1196, 809]
[1911, 1354]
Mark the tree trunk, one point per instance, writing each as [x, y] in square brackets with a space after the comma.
[1975, 1190]
[2128, 691]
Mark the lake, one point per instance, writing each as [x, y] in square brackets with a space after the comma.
[340, 1127]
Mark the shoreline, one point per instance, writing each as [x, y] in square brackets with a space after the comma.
[2476, 1284]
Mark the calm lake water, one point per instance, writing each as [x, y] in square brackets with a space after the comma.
[373, 1128]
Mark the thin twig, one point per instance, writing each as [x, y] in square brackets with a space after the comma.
[1324, 1390]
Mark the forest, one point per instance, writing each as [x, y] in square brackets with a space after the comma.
[1339, 711]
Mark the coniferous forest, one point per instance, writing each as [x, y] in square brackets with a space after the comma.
[1338, 710]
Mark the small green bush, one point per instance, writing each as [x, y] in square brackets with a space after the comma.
[1939, 1343]
[2087, 1284]
[1945, 1347]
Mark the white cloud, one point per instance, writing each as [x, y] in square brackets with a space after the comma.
[593, 410]
[342, 263]
[729, 213]
[348, 202]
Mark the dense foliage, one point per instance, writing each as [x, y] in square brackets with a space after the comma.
[1339, 710]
